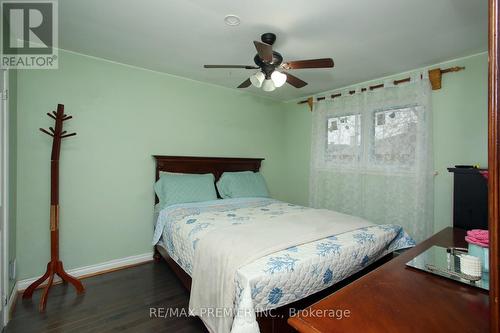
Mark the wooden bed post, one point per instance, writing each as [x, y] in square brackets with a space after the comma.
[157, 256]
[55, 266]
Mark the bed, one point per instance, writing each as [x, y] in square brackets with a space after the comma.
[272, 287]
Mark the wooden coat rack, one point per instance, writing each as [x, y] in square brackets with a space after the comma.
[55, 265]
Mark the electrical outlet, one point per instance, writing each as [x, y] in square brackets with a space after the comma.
[12, 269]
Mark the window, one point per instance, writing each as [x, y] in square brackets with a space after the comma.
[395, 135]
[388, 140]
[344, 138]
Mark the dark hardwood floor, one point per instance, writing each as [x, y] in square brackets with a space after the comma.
[114, 302]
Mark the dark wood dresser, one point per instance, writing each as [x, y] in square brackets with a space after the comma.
[470, 198]
[395, 298]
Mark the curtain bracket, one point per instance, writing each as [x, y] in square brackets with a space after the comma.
[435, 77]
[310, 101]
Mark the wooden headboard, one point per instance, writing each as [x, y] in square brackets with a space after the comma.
[215, 165]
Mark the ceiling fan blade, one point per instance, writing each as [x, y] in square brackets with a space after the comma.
[245, 84]
[312, 63]
[295, 81]
[264, 50]
[230, 66]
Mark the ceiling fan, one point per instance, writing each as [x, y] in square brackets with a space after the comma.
[272, 70]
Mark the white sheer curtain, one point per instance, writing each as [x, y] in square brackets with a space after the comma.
[372, 155]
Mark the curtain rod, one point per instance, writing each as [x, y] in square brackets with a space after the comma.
[434, 77]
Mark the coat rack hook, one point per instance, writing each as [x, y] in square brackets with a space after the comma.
[68, 135]
[51, 116]
[67, 117]
[46, 132]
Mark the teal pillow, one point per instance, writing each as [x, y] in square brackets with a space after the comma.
[242, 185]
[173, 189]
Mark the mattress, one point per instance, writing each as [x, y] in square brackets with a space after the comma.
[285, 276]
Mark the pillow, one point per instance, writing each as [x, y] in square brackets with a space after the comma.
[242, 184]
[173, 189]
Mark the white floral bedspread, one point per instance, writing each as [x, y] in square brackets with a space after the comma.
[282, 277]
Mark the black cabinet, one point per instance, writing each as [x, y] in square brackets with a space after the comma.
[470, 198]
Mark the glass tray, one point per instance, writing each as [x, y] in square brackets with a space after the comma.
[439, 262]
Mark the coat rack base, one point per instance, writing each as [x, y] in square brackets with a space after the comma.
[53, 268]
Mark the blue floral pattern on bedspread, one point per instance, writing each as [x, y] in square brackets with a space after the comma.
[285, 276]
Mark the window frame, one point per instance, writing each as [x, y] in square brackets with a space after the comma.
[367, 124]
[355, 160]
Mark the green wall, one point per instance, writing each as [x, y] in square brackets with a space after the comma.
[123, 115]
[460, 129]
[460, 133]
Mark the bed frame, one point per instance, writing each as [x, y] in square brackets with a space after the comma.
[272, 321]
[215, 165]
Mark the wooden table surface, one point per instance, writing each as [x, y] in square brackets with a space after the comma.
[395, 298]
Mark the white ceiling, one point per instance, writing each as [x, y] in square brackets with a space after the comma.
[367, 39]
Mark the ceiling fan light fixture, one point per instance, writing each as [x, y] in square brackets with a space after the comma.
[257, 79]
[278, 78]
[268, 85]
[270, 66]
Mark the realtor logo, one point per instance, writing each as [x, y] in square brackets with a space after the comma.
[29, 35]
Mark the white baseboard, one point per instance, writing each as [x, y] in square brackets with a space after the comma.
[10, 305]
[94, 269]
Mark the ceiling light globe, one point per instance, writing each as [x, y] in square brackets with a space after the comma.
[257, 79]
[278, 78]
[268, 85]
